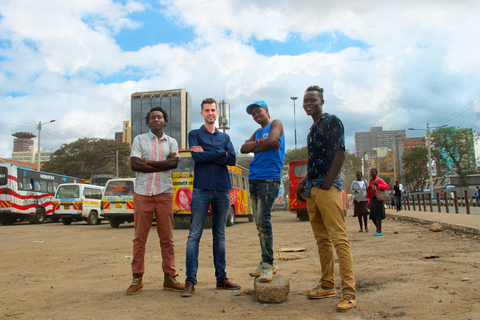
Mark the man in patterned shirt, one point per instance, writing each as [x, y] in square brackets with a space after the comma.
[322, 189]
[153, 156]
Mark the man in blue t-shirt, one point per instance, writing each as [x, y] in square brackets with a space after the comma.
[265, 176]
[322, 188]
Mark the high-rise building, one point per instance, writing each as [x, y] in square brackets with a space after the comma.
[32, 155]
[127, 132]
[376, 138]
[176, 102]
[119, 136]
[23, 141]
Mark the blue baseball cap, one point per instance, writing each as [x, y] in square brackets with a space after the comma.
[259, 103]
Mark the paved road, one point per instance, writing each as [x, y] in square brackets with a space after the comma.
[462, 222]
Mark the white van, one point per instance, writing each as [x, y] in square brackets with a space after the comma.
[117, 201]
[78, 202]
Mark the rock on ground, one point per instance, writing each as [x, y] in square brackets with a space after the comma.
[274, 291]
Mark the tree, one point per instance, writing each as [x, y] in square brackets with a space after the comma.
[415, 165]
[295, 154]
[244, 161]
[416, 170]
[457, 147]
[88, 156]
[351, 165]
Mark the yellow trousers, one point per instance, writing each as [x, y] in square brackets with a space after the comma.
[325, 209]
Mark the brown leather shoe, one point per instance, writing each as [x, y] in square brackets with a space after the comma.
[136, 286]
[171, 284]
[322, 292]
[227, 285]
[348, 302]
[189, 289]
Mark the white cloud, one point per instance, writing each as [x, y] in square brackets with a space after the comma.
[415, 55]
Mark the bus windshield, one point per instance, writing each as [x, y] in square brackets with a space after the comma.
[119, 188]
[67, 192]
[185, 165]
[300, 171]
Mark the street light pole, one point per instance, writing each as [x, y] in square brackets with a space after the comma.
[429, 148]
[39, 140]
[294, 120]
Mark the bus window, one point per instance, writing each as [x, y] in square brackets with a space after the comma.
[27, 185]
[3, 176]
[50, 187]
[43, 185]
[36, 185]
[235, 181]
[92, 193]
[67, 191]
[243, 184]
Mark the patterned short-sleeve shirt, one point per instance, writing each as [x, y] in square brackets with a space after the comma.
[325, 138]
[148, 146]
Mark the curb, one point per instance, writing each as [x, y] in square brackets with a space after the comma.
[462, 229]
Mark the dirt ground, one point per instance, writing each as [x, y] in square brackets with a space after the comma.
[53, 271]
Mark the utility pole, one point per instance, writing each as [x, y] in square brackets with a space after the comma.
[294, 120]
[39, 140]
[429, 148]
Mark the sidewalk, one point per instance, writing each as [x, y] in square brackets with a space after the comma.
[461, 222]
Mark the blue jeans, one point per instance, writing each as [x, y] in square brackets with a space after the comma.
[398, 202]
[263, 194]
[201, 200]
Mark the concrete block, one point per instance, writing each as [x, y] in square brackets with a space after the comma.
[274, 291]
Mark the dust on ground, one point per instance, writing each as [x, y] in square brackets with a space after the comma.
[53, 271]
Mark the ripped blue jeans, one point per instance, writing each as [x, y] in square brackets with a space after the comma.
[263, 194]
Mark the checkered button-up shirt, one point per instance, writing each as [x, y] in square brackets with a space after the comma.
[148, 146]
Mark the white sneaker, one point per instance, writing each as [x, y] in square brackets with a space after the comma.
[257, 272]
[267, 272]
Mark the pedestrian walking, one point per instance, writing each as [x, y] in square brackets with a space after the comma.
[360, 200]
[377, 208]
[398, 190]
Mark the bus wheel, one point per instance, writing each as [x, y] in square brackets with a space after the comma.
[231, 217]
[92, 218]
[303, 216]
[38, 217]
[7, 221]
[67, 221]
[114, 223]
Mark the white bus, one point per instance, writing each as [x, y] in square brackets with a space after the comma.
[78, 202]
[27, 194]
[117, 201]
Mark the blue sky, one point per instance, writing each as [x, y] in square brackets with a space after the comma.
[397, 65]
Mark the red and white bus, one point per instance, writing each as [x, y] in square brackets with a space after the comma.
[297, 171]
[27, 194]
[182, 178]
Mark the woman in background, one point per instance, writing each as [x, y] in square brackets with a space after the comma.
[360, 200]
[377, 208]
